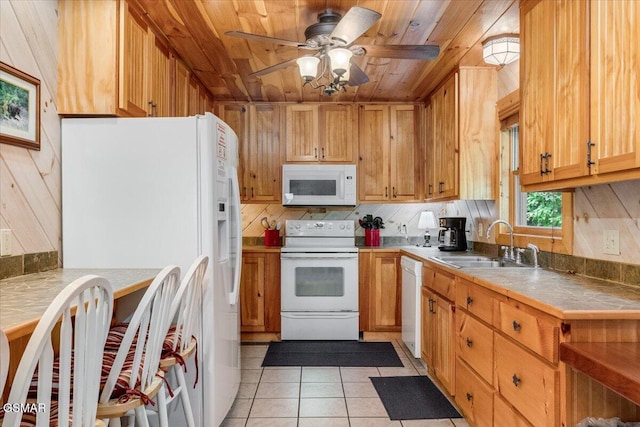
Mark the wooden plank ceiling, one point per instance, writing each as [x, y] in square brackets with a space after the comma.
[196, 31]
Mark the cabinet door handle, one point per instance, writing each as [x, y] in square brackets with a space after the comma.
[393, 191]
[315, 153]
[469, 301]
[386, 191]
[469, 342]
[150, 113]
[441, 187]
[546, 162]
[469, 397]
[252, 193]
[431, 310]
[244, 192]
[516, 380]
[430, 189]
[516, 326]
[323, 152]
[589, 147]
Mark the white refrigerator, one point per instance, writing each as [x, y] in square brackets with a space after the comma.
[149, 192]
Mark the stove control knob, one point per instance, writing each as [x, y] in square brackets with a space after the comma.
[342, 227]
[348, 226]
[297, 227]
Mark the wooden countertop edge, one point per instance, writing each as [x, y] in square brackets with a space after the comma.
[616, 365]
[29, 326]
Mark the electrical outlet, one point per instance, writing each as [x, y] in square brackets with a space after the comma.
[5, 242]
[611, 242]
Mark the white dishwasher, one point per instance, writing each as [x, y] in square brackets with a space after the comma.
[411, 289]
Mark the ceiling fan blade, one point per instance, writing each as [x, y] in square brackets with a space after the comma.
[273, 68]
[267, 39]
[354, 24]
[357, 77]
[400, 51]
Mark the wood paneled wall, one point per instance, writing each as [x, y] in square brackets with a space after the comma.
[30, 180]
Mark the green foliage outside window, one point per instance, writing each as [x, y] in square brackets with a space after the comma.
[544, 209]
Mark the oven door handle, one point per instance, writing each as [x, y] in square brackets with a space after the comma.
[318, 255]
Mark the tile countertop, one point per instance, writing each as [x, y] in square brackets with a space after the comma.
[23, 299]
[564, 295]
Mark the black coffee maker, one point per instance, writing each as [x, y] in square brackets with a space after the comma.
[452, 235]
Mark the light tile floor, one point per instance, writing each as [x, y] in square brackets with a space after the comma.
[318, 397]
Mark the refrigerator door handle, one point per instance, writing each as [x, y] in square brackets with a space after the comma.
[233, 295]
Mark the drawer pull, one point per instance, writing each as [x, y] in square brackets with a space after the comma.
[469, 300]
[469, 342]
[516, 380]
[469, 397]
[516, 326]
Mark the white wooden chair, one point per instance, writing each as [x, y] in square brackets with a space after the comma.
[181, 343]
[133, 351]
[81, 340]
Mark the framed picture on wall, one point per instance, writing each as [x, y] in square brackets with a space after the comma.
[19, 108]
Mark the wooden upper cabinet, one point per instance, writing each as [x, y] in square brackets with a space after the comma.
[615, 87]
[181, 88]
[554, 108]
[265, 154]
[106, 71]
[237, 117]
[579, 109]
[404, 152]
[388, 159]
[463, 129]
[338, 132]
[302, 133]
[160, 79]
[320, 133]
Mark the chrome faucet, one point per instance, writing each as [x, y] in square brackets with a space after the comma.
[535, 251]
[511, 255]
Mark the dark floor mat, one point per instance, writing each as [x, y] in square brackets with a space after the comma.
[332, 353]
[413, 398]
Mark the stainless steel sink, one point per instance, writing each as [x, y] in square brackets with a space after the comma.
[462, 261]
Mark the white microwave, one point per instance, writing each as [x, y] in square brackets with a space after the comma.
[319, 185]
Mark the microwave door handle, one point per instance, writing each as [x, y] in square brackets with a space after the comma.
[343, 178]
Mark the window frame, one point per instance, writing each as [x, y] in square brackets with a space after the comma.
[552, 239]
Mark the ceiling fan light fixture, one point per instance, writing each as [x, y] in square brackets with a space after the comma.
[502, 49]
[308, 66]
[340, 60]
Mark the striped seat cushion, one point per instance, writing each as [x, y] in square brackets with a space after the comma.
[121, 389]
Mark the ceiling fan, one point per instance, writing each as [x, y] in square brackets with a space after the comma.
[332, 38]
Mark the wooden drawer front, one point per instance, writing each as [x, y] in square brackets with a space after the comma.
[475, 299]
[505, 415]
[533, 332]
[526, 382]
[444, 284]
[474, 397]
[475, 345]
[427, 276]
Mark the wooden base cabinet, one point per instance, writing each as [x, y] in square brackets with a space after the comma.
[474, 397]
[438, 327]
[380, 291]
[260, 292]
